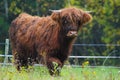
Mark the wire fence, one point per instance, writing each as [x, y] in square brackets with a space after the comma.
[7, 56]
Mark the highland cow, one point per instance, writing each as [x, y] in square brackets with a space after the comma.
[46, 39]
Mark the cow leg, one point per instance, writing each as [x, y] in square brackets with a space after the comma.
[20, 62]
[54, 66]
[17, 61]
[16, 58]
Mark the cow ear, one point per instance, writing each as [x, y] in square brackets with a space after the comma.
[86, 18]
[55, 16]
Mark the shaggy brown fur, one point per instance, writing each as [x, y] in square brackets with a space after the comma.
[46, 39]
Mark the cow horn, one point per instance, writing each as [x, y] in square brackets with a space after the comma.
[88, 11]
[55, 10]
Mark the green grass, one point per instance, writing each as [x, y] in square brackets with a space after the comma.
[67, 73]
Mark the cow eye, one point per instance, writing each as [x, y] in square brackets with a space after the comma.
[65, 22]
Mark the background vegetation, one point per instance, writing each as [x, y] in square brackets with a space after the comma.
[104, 29]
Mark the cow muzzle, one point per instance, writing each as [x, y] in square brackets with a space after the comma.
[72, 34]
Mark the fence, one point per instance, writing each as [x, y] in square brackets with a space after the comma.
[6, 56]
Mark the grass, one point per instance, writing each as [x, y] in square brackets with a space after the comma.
[67, 73]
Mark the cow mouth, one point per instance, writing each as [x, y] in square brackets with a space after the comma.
[72, 34]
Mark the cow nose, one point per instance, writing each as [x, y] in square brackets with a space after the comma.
[72, 28]
[72, 34]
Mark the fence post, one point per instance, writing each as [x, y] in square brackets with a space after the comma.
[6, 51]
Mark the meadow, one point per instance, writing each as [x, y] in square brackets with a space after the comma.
[67, 73]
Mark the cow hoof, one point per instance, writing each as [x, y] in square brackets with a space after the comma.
[56, 69]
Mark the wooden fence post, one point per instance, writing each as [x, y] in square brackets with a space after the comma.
[6, 51]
